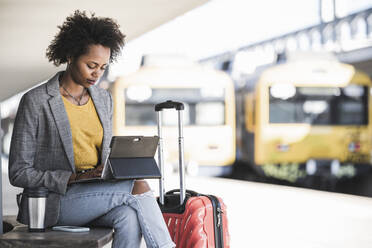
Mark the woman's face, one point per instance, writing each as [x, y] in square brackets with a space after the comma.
[87, 69]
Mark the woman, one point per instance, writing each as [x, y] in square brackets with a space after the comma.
[62, 133]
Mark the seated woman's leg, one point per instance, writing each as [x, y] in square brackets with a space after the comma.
[140, 187]
[127, 231]
[152, 223]
[154, 229]
[84, 203]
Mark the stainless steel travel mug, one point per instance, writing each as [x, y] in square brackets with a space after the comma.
[36, 198]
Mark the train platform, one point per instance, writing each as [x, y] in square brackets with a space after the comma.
[264, 215]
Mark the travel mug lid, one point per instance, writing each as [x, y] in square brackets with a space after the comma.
[36, 192]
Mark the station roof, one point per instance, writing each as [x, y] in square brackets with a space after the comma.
[28, 26]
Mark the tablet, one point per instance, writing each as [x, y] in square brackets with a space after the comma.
[130, 157]
[133, 157]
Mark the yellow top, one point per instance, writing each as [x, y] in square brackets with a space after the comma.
[87, 134]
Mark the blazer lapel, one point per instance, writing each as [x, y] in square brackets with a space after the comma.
[101, 109]
[60, 116]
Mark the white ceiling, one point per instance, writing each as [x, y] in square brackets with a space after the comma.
[28, 26]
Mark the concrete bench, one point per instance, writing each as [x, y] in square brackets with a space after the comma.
[19, 237]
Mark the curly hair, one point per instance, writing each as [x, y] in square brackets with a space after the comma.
[78, 32]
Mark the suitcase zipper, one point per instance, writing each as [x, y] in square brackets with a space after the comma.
[218, 225]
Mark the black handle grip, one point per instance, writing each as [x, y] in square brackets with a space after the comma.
[188, 192]
[169, 105]
[172, 201]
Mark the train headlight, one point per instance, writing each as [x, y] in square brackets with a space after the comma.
[311, 167]
[354, 146]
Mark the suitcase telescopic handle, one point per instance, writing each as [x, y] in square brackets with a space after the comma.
[169, 105]
[179, 107]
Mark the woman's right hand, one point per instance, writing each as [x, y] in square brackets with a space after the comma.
[96, 172]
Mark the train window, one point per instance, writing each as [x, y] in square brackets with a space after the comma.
[315, 107]
[322, 106]
[170, 116]
[144, 115]
[351, 113]
[201, 107]
[355, 91]
[140, 115]
[211, 113]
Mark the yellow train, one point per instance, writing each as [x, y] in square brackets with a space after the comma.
[306, 117]
[209, 116]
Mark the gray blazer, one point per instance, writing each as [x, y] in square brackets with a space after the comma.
[41, 152]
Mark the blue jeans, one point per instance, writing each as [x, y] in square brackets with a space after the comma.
[112, 204]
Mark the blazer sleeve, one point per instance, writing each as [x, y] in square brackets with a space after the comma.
[22, 172]
[111, 108]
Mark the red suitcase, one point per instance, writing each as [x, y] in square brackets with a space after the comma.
[194, 220]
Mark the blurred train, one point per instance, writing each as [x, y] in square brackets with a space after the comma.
[209, 116]
[306, 117]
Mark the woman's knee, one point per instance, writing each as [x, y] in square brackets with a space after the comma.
[127, 227]
[140, 187]
[125, 216]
